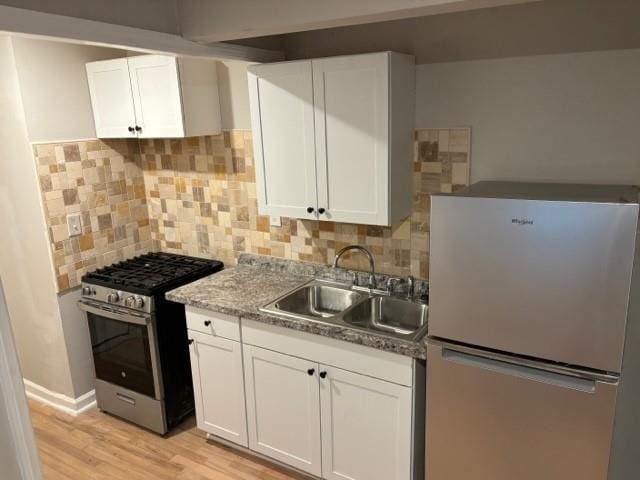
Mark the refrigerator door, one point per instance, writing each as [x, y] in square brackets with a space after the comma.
[488, 419]
[545, 279]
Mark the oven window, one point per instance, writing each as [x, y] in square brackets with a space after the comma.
[121, 353]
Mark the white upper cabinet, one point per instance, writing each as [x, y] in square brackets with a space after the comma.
[286, 171]
[155, 85]
[352, 161]
[352, 124]
[154, 96]
[110, 90]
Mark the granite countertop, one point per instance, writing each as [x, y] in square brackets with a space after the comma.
[257, 280]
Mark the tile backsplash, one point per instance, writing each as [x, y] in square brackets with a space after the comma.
[197, 196]
[102, 181]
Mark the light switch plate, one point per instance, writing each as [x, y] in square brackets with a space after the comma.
[275, 221]
[74, 224]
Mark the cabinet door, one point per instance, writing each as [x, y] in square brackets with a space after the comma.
[351, 98]
[111, 100]
[156, 96]
[283, 408]
[216, 365]
[366, 427]
[281, 99]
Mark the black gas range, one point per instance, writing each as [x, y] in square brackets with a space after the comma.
[139, 339]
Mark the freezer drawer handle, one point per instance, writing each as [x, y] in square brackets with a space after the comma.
[565, 381]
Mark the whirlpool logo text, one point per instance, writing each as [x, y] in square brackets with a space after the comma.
[522, 221]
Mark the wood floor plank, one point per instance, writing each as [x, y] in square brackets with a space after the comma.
[97, 446]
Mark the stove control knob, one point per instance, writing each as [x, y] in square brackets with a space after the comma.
[139, 302]
[86, 291]
[113, 297]
[130, 301]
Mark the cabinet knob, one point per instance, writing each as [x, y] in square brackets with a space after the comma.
[131, 129]
[311, 371]
[138, 128]
[323, 374]
[207, 323]
[190, 341]
[310, 209]
[321, 210]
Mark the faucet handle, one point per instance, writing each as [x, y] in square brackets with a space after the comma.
[411, 282]
[423, 292]
[390, 282]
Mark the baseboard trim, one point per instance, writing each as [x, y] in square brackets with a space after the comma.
[63, 403]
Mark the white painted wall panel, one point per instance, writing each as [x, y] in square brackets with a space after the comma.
[569, 117]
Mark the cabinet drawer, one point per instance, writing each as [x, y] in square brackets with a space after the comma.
[213, 323]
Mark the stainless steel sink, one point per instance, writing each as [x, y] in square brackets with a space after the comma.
[316, 300]
[390, 315]
[337, 304]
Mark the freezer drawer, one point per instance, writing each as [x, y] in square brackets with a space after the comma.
[488, 419]
[545, 279]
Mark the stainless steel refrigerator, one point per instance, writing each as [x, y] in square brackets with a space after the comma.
[532, 363]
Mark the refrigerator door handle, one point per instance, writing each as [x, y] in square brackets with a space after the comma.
[563, 380]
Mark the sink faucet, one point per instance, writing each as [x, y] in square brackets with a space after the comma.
[372, 273]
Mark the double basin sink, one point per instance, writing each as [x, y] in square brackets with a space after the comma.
[336, 304]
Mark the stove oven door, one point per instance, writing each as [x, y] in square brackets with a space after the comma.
[125, 350]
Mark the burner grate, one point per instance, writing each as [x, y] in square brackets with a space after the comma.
[147, 274]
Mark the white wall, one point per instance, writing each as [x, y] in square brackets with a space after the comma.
[54, 87]
[538, 28]
[221, 20]
[569, 117]
[8, 451]
[158, 15]
[77, 341]
[18, 454]
[25, 258]
[234, 94]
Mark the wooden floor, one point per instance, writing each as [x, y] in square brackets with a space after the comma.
[95, 445]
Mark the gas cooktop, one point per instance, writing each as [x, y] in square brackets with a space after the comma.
[152, 273]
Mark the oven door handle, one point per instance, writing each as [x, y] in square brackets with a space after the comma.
[121, 317]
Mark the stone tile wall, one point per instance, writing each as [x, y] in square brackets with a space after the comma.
[197, 196]
[202, 201]
[101, 181]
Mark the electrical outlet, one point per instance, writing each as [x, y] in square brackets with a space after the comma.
[74, 224]
[275, 221]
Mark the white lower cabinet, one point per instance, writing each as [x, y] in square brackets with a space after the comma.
[283, 408]
[299, 412]
[216, 366]
[366, 427]
[280, 393]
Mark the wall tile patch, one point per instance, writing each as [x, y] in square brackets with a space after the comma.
[101, 181]
[202, 201]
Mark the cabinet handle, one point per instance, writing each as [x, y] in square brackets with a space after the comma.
[131, 129]
[323, 374]
[190, 341]
[311, 371]
[138, 128]
[310, 209]
[207, 323]
[321, 210]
